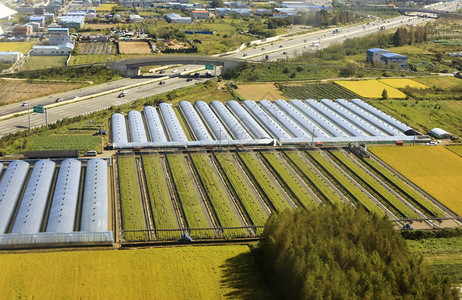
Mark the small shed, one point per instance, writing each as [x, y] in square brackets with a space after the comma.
[439, 133]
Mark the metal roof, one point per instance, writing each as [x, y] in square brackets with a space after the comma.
[64, 203]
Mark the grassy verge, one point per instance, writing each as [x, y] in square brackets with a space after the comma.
[216, 193]
[243, 190]
[44, 62]
[272, 192]
[457, 149]
[82, 142]
[373, 186]
[317, 91]
[444, 255]
[159, 196]
[321, 188]
[405, 190]
[344, 184]
[130, 197]
[287, 178]
[185, 186]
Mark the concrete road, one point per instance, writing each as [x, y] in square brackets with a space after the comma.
[95, 104]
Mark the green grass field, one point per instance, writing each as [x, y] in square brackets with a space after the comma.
[199, 272]
[353, 191]
[244, 191]
[286, 176]
[379, 191]
[102, 58]
[130, 197]
[318, 91]
[22, 47]
[44, 62]
[457, 149]
[186, 188]
[270, 190]
[311, 178]
[444, 255]
[424, 115]
[219, 199]
[159, 195]
[82, 142]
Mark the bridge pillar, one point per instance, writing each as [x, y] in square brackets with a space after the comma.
[124, 71]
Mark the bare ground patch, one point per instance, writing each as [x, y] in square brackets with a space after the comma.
[134, 48]
[260, 91]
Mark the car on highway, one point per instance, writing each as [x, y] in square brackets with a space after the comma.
[245, 54]
[262, 48]
[122, 94]
[161, 71]
[284, 52]
[76, 97]
[25, 104]
[59, 99]
[90, 153]
[197, 74]
[189, 79]
[161, 82]
[174, 71]
[280, 46]
[186, 69]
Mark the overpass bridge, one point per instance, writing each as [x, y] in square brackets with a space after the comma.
[131, 67]
[438, 13]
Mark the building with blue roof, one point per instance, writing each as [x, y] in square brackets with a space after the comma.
[373, 55]
[394, 59]
[176, 18]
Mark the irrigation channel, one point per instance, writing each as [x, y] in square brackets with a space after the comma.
[228, 194]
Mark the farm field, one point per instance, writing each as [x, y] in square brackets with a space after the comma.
[456, 149]
[424, 115]
[402, 83]
[436, 170]
[370, 89]
[130, 197]
[159, 195]
[22, 47]
[101, 58]
[99, 26]
[317, 91]
[443, 83]
[96, 48]
[15, 90]
[220, 201]
[82, 142]
[203, 272]
[44, 62]
[259, 91]
[210, 193]
[134, 48]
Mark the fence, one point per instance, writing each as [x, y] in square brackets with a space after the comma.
[224, 233]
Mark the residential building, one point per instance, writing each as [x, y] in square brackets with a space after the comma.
[262, 12]
[59, 36]
[38, 19]
[22, 30]
[135, 18]
[373, 55]
[72, 21]
[200, 14]
[56, 50]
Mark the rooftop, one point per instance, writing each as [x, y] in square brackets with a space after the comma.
[393, 55]
[376, 50]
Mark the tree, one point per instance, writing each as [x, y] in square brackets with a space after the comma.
[384, 94]
[343, 253]
[217, 3]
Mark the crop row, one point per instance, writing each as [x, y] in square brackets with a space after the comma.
[159, 196]
[194, 209]
[402, 187]
[324, 191]
[244, 192]
[130, 195]
[345, 184]
[378, 190]
[221, 203]
[318, 91]
[272, 192]
[287, 177]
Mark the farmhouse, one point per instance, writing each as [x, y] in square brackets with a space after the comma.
[176, 18]
[394, 59]
[439, 133]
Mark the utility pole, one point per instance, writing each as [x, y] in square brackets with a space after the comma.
[28, 114]
[312, 137]
[46, 117]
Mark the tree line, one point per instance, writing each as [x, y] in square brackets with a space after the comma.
[343, 253]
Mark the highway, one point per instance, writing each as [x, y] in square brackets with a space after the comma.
[103, 96]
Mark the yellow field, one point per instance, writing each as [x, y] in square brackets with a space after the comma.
[195, 272]
[403, 82]
[22, 47]
[259, 91]
[371, 89]
[435, 169]
[104, 7]
[457, 149]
